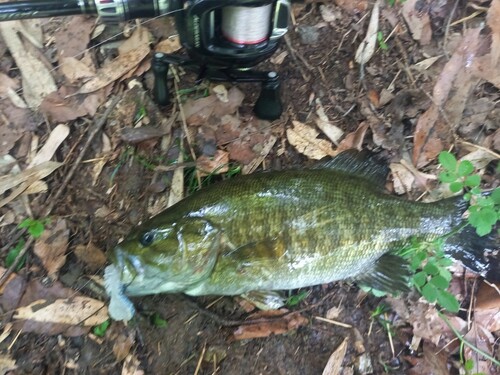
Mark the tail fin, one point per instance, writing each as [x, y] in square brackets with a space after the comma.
[479, 254]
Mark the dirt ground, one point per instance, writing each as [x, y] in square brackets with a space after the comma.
[198, 336]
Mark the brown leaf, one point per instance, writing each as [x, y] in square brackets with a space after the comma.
[305, 140]
[74, 69]
[91, 255]
[334, 364]
[217, 164]
[418, 21]
[51, 247]
[276, 326]
[492, 19]
[353, 6]
[122, 345]
[169, 45]
[115, 69]
[140, 134]
[7, 364]
[73, 36]
[433, 130]
[354, 139]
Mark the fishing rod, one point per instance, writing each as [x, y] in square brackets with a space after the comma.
[223, 39]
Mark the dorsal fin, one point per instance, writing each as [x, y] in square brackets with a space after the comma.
[364, 164]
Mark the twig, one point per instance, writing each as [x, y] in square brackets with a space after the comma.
[334, 322]
[466, 343]
[98, 126]
[198, 365]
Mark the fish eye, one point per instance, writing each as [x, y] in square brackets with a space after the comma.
[147, 239]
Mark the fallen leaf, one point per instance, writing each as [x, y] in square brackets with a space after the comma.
[177, 186]
[484, 68]
[354, 139]
[131, 366]
[334, 133]
[7, 364]
[492, 19]
[276, 326]
[75, 70]
[266, 149]
[334, 364]
[305, 140]
[169, 45]
[51, 247]
[77, 310]
[28, 175]
[56, 137]
[115, 69]
[37, 79]
[140, 134]
[91, 255]
[418, 21]
[217, 164]
[480, 158]
[402, 178]
[221, 92]
[72, 37]
[434, 130]
[141, 37]
[353, 6]
[122, 345]
[367, 47]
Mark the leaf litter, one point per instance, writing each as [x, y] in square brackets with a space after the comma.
[224, 133]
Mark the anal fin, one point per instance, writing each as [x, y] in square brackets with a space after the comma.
[265, 299]
[390, 274]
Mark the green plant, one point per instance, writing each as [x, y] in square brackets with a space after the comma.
[430, 275]
[157, 321]
[295, 299]
[379, 315]
[13, 253]
[100, 330]
[484, 208]
[381, 41]
[35, 227]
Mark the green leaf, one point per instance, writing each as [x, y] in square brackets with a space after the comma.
[448, 177]
[483, 230]
[444, 273]
[439, 282]
[158, 321]
[430, 292]
[13, 253]
[34, 227]
[101, 329]
[448, 161]
[476, 191]
[472, 181]
[417, 260]
[469, 365]
[495, 195]
[485, 202]
[467, 196]
[465, 168]
[448, 301]
[456, 186]
[431, 269]
[419, 279]
[297, 298]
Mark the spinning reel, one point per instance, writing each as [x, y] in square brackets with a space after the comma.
[224, 39]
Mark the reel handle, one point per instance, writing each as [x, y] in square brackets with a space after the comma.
[160, 66]
[268, 106]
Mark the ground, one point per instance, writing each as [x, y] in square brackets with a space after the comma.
[126, 175]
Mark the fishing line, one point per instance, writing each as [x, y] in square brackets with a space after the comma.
[246, 25]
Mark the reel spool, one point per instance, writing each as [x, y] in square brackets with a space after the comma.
[246, 25]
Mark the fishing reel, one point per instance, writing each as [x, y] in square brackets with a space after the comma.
[224, 39]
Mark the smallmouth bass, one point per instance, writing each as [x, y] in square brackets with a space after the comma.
[280, 230]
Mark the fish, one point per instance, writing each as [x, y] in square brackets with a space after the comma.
[282, 230]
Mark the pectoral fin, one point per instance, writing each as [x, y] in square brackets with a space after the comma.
[390, 274]
[266, 249]
[265, 299]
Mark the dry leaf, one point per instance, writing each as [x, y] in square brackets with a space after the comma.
[56, 137]
[74, 69]
[433, 130]
[28, 175]
[177, 187]
[402, 177]
[51, 247]
[266, 149]
[275, 326]
[353, 6]
[78, 310]
[354, 139]
[140, 38]
[334, 133]
[7, 364]
[122, 345]
[367, 47]
[492, 19]
[217, 164]
[480, 158]
[115, 69]
[305, 140]
[91, 255]
[334, 363]
[169, 45]
[72, 37]
[131, 366]
[418, 21]
[37, 79]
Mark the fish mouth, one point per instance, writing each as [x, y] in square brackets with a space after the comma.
[130, 266]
